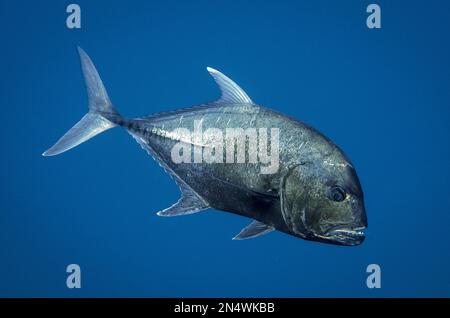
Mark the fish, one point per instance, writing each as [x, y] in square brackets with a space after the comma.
[221, 155]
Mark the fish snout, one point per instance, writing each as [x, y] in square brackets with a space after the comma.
[346, 234]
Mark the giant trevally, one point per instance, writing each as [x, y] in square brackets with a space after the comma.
[236, 156]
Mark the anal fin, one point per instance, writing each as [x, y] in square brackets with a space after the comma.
[189, 203]
[254, 229]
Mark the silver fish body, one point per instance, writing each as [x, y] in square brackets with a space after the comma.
[311, 191]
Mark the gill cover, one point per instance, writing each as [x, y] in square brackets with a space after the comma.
[289, 191]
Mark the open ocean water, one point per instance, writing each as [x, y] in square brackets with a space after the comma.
[382, 95]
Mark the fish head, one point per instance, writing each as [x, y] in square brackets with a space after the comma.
[324, 202]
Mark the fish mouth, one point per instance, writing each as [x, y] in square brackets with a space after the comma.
[345, 235]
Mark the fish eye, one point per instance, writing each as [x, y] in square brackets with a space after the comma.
[338, 194]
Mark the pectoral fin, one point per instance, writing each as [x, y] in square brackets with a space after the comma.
[254, 229]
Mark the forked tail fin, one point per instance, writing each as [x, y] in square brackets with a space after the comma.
[96, 120]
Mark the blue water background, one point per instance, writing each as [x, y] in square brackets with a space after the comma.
[382, 95]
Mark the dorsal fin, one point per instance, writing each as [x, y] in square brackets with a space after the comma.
[231, 92]
[252, 230]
